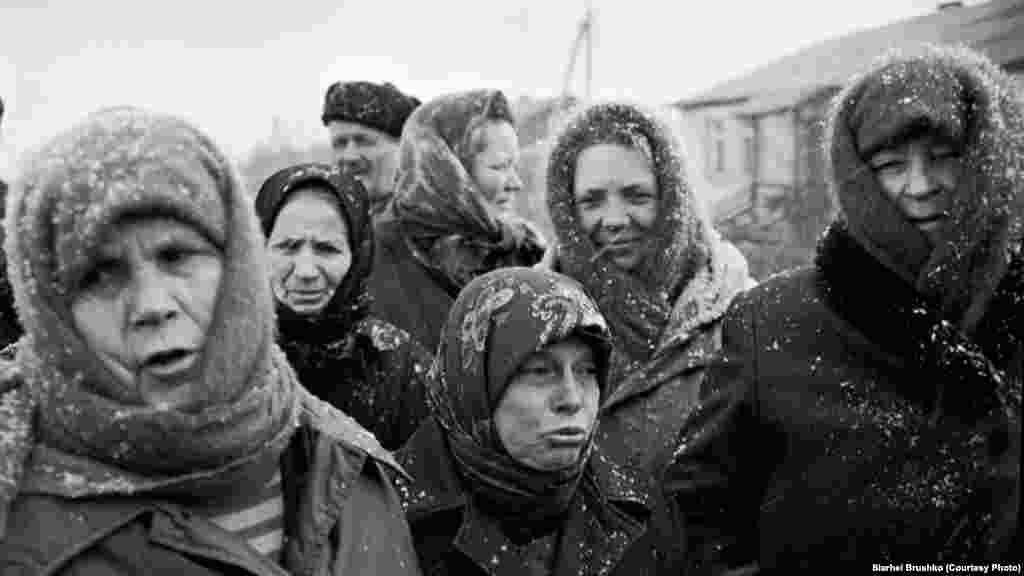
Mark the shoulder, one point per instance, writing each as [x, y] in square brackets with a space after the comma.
[333, 425]
[432, 485]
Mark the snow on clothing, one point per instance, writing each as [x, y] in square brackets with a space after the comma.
[437, 235]
[472, 507]
[369, 369]
[664, 317]
[876, 409]
[97, 463]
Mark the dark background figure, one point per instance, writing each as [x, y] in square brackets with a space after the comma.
[10, 328]
[320, 245]
[506, 477]
[365, 123]
[450, 219]
[867, 409]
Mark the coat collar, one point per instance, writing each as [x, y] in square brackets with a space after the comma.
[896, 318]
[595, 535]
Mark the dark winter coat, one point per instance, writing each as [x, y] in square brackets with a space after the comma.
[606, 530]
[331, 486]
[825, 438]
[10, 328]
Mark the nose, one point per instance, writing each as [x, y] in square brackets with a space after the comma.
[349, 152]
[305, 266]
[515, 181]
[569, 398]
[615, 217]
[920, 181]
[151, 302]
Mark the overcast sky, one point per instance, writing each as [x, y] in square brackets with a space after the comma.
[231, 65]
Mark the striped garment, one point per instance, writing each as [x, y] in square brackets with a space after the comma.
[258, 518]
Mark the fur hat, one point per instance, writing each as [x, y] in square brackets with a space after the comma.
[379, 106]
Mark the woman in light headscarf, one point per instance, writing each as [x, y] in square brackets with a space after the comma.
[165, 431]
[320, 246]
[450, 220]
[632, 231]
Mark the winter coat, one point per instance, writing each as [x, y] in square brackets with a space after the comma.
[10, 328]
[368, 368]
[605, 532]
[333, 477]
[822, 439]
[437, 234]
[376, 376]
[664, 314]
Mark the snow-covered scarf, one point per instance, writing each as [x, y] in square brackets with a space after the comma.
[438, 204]
[687, 276]
[85, 439]
[962, 95]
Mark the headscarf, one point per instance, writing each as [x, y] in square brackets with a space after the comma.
[497, 321]
[964, 97]
[638, 304]
[439, 205]
[351, 300]
[122, 163]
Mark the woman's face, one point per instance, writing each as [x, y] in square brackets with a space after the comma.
[548, 410]
[496, 166]
[309, 251]
[145, 305]
[920, 176]
[616, 198]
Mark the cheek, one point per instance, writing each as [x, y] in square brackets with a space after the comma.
[645, 215]
[518, 419]
[97, 321]
[588, 219]
[336, 268]
[280, 267]
[202, 290]
[891, 184]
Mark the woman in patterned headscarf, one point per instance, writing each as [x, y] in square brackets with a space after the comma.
[320, 247]
[868, 406]
[165, 431]
[450, 220]
[632, 231]
[504, 477]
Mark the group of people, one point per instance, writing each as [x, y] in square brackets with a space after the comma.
[376, 367]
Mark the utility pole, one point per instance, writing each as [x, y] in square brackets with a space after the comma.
[584, 33]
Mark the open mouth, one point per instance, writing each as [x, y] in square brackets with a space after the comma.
[568, 436]
[170, 362]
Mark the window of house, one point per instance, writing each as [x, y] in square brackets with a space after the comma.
[716, 135]
[749, 156]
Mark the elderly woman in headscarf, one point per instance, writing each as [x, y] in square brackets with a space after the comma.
[320, 246]
[868, 406]
[505, 476]
[170, 434]
[451, 218]
[632, 231]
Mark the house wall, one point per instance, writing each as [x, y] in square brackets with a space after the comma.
[697, 128]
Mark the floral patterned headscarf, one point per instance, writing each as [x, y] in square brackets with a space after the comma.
[499, 320]
[439, 205]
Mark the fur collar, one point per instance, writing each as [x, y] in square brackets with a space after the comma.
[968, 371]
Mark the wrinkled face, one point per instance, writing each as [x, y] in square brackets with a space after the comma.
[920, 176]
[369, 154]
[309, 251]
[549, 408]
[616, 199]
[496, 166]
[145, 305]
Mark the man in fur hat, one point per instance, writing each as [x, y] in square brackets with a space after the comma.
[365, 122]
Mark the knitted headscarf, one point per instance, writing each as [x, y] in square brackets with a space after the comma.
[497, 321]
[437, 202]
[351, 300]
[962, 96]
[128, 163]
[638, 304]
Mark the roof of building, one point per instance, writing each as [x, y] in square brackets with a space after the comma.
[995, 28]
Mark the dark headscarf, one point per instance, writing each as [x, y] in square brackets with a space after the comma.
[351, 300]
[120, 163]
[638, 305]
[497, 321]
[437, 202]
[962, 96]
